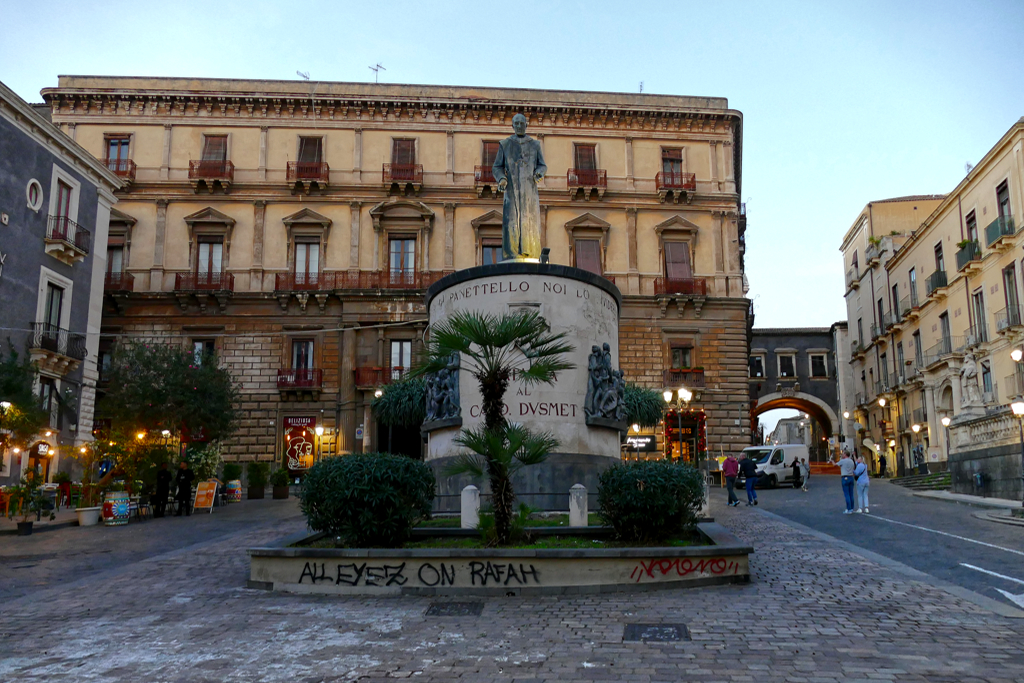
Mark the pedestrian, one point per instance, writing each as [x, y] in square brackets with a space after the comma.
[796, 472]
[184, 492]
[163, 490]
[863, 482]
[730, 468]
[749, 470]
[805, 472]
[846, 466]
[881, 465]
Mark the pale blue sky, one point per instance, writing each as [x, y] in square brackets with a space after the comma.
[842, 104]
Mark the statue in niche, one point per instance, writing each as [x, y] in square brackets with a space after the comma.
[970, 394]
[442, 393]
[605, 387]
[518, 167]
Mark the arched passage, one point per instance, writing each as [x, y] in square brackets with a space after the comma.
[812, 405]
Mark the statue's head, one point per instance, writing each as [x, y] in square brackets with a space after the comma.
[595, 349]
[607, 347]
[519, 124]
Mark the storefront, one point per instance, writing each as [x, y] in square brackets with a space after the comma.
[300, 444]
[685, 435]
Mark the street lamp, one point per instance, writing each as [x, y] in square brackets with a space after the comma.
[915, 428]
[1018, 409]
[636, 441]
[319, 441]
[945, 420]
[378, 393]
[881, 402]
[846, 414]
[1017, 354]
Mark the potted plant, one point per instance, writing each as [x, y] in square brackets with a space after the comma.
[258, 472]
[29, 500]
[87, 510]
[280, 481]
[63, 480]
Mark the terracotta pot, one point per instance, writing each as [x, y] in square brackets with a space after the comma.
[24, 528]
[89, 516]
[280, 492]
[257, 492]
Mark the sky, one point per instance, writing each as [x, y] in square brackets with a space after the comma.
[843, 103]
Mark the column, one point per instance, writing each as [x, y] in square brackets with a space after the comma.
[347, 394]
[449, 236]
[73, 131]
[367, 428]
[263, 152]
[450, 154]
[258, 229]
[629, 163]
[156, 273]
[357, 155]
[713, 161]
[165, 166]
[353, 253]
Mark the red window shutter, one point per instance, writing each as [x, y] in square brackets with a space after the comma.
[677, 261]
[588, 255]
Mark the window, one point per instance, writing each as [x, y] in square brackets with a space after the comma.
[54, 306]
[677, 261]
[302, 354]
[402, 258]
[63, 208]
[585, 157]
[307, 260]
[913, 287]
[401, 357]
[819, 365]
[403, 152]
[215, 148]
[117, 150]
[48, 398]
[672, 161]
[777, 457]
[899, 358]
[311, 150]
[918, 353]
[210, 256]
[854, 264]
[1003, 199]
[34, 194]
[881, 313]
[883, 370]
[986, 378]
[491, 252]
[681, 356]
[202, 348]
[787, 365]
[588, 255]
[756, 366]
[860, 331]
[896, 299]
[940, 265]
[1010, 292]
[944, 329]
[490, 153]
[978, 304]
[972, 227]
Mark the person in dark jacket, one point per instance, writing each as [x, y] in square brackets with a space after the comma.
[748, 468]
[163, 490]
[796, 473]
[730, 468]
[184, 492]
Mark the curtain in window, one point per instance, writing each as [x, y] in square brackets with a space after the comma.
[490, 152]
[677, 261]
[210, 256]
[586, 157]
[588, 255]
[215, 148]
[403, 152]
[310, 150]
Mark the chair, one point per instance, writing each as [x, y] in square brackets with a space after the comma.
[143, 508]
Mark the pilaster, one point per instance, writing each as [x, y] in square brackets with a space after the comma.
[629, 163]
[450, 155]
[258, 230]
[353, 253]
[357, 155]
[165, 165]
[156, 273]
[449, 235]
[263, 152]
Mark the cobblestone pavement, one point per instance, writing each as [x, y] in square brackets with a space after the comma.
[814, 612]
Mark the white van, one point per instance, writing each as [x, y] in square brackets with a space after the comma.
[775, 463]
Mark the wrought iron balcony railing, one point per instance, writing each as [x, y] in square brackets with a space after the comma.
[1008, 317]
[300, 378]
[587, 177]
[914, 303]
[693, 286]
[58, 340]
[119, 282]
[123, 168]
[211, 170]
[377, 377]
[403, 173]
[317, 171]
[945, 347]
[307, 282]
[63, 229]
[676, 180]
[977, 334]
[198, 282]
[970, 252]
[691, 378]
[483, 174]
[936, 280]
[1002, 226]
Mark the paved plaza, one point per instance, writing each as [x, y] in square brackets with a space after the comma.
[171, 605]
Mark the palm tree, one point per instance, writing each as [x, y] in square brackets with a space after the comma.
[494, 348]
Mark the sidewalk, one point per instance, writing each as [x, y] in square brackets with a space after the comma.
[964, 499]
[65, 517]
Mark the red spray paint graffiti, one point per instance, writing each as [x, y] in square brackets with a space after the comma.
[684, 566]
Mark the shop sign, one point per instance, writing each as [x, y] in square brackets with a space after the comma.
[299, 439]
[646, 443]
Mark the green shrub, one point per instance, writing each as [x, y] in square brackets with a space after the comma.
[232, 471]
[517, 530]
[258, 472]
[371, 499]
[650, 500]
[280, 477]
[61, 478]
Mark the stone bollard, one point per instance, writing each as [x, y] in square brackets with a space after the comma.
[470, 507]
[578, 506]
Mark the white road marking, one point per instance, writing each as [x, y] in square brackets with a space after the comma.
[943, 533]
[986, 571]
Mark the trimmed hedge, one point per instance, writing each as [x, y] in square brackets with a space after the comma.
[258, 473]
[368, 500]
[232, 471]
[650, 500]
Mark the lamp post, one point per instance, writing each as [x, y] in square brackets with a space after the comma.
[319, 441]
[1018, 409]
[683, 398]
[636, 441]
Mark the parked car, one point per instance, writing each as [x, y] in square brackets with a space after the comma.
[775, 463]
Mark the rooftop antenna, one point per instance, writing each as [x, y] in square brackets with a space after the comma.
[376, 71]
[968, 167]
[641, 86]
[303, 74]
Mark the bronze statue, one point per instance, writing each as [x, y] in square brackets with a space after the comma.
[518, 167]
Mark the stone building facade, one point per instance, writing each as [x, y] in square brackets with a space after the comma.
[55, 200]
[294, 227]
[943, 297]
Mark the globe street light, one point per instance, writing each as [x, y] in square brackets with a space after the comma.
[683, 396]
[881, 402]
[945, 420]
[636, 441]
[1018, 409]
[915, 428]
[1017, 354]
[846, 414]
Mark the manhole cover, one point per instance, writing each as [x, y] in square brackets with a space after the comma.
[455, 609]
[655, 633]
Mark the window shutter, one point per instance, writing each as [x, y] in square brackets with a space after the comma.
[677, 261]
[588, 255]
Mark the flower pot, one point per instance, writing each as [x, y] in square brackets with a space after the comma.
[88, 516]
[256, 492]
[24, 528]
[233, 491]
[280, 492]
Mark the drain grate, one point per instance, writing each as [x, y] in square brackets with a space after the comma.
[455, 609]
[655, 633]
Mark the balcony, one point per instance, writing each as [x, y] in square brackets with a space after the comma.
[998, 231]
[691, 378]
[369, 378]
[968, 257]
[919, 417]
[853, 278]
[677, 184]
[590, 180]
[950, 346]
[403, 176]
[936, 283]
[877, 332]
[122, 168]
[693, 286]
[872, 254]
[977, 334]
[204, 282]
[209, 174]
[883, 386]
[304, 175]
[483, 179]
[300, 380]
[1008, 318]
[307, 282]
[1013, 385]
[56, 350]
[914, 302]
[903, 422]
[905, 308]
[66, 240]
[856, 348]
[118, 282]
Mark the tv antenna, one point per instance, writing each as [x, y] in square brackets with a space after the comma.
[968, 167]
[641, 86]
[376, 71]
[303, 74]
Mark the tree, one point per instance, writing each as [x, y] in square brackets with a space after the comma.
[22, 418]
[494, 348]
[644, 406]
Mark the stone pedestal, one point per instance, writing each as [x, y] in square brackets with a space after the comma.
[584, 306]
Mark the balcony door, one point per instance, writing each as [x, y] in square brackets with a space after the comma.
[209, 260]
[1010, 290]
[677, 261]
[490, 153]
[117, 152]
[62, 211]
[307, 262]
[588, 256]
[980, 329]
[403, 152]
[302, 354]
[115, 260]
[585, 157]
[215, 148]
[402, 260]
[50, 332]
[1003, 200]
[672, 162]
[972, 227]
[311, 150]
[401, 358]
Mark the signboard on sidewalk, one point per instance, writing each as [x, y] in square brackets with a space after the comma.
[299, 438]
[206, 491]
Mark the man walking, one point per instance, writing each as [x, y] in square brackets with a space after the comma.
[730, 468]
[846, 467]
[163, 490]
[749, 471]
[184, 492]
[881, 465]
[805, 473]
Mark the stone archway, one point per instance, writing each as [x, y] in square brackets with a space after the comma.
[797, 400]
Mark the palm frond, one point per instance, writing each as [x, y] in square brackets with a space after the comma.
[644, 406]
[509, 449]
[466, 463]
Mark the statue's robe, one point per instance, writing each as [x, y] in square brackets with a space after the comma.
[518, 160]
